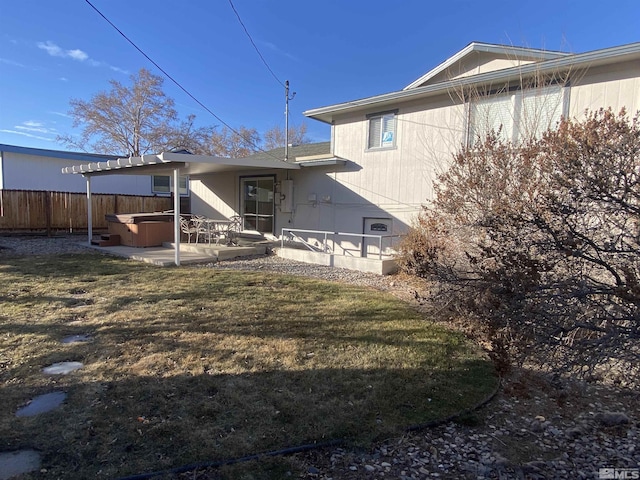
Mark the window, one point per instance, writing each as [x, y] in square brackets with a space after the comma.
[164, 184]
[382, 130]
[518, 115]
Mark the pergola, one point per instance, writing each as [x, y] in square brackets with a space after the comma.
[170, 163]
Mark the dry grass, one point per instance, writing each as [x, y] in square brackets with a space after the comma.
[191, 365]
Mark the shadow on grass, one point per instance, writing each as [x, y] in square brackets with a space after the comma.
[133, 425]
[190, 365]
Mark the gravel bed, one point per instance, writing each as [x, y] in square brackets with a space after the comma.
[277, 264]
[42, 245]
[535, 428]
[531, 430]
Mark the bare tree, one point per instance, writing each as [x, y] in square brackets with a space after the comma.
[124, 120]
[186, 136]
[275, 137]
[237, 143]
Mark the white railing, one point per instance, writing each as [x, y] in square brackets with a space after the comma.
[328, 237]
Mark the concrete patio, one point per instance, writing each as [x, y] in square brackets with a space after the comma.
[190, 253]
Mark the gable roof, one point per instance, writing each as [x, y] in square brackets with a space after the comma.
[607, 56]
[514, 53]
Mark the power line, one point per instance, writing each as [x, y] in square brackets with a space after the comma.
[254, 45]
[248, 140]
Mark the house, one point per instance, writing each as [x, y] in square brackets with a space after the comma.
[386, 151]
[354, 195]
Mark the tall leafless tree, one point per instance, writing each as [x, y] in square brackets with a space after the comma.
[275, 137]
[133, 120]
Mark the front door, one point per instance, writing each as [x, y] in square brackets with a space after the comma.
[257, 204]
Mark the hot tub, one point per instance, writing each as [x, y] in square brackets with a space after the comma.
[141, 229]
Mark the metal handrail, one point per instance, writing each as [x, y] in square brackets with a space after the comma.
[326, 234]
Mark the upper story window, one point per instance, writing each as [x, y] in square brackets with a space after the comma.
[163, 184]
[382, 130]
[518, 115]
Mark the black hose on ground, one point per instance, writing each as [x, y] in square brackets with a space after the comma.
[232, 461]
[304, 448]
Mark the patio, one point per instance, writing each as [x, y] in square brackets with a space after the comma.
[190, 253]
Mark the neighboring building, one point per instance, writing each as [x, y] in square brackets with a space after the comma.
[386, 151]
[24, 168]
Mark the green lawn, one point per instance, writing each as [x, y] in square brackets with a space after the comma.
[195, 364]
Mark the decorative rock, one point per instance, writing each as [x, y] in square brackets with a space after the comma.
[17, 463]
[77, 338]
[41, 404]
[62, 368]
[610, 419]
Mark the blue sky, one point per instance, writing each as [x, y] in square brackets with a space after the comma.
[330, 50]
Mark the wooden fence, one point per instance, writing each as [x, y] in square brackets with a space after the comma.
[42, 210]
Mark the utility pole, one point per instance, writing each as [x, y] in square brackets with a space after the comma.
[286, 119]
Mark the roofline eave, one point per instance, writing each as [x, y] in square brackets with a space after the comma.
[589, 59]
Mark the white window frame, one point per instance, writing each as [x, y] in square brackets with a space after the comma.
[551, 101]
[385, 137]
[184, 190]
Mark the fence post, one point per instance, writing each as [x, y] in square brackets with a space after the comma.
[48, 213]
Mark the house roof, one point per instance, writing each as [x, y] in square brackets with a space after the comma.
[630, 52]
[295, 151]
[41, 152]
[305, 155]
[516, 53]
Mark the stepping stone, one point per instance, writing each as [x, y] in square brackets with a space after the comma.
[77, 338]
[16, 463]
[41, 404]
[62, 368]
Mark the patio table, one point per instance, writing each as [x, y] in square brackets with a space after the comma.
[216, 228]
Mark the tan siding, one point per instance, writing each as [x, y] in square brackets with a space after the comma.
[400, 180]
[606, 87]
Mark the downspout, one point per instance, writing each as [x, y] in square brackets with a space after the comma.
[176, 214]
[89, 211]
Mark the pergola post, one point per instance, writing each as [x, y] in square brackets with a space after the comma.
[176, 214]
[89, 211]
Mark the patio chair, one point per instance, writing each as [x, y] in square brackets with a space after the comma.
[204, 228]
[188, 228]
[234, 229]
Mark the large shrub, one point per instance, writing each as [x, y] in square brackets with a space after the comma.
[540, 243]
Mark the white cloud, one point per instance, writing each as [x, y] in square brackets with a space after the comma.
[32, 129]
[25, 134]
[77, 55]
[31, 126]
[11, 62]
[60, 114]
[55, 51]
[279, 51]
[119, 70]
[31, 123]
[51, 48]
